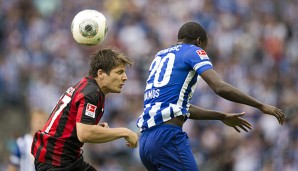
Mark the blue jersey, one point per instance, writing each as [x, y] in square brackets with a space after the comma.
[173, 76]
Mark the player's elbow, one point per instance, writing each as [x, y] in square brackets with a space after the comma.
[221, 89]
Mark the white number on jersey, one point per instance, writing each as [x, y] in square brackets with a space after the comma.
[65, 99]
[156, 67]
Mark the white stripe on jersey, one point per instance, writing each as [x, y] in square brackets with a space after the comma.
[152, 112]
[141, 119]
[199, 65]
[166, 113]
[177, 111]
[188, 78]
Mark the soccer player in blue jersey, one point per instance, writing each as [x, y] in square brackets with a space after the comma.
[173, 75]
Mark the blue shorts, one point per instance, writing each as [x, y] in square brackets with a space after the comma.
[166, 147]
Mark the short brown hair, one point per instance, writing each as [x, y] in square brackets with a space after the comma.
[107, 59]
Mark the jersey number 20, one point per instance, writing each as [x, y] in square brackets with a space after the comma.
[158, 66]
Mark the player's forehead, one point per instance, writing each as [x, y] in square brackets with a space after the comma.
[120, 67]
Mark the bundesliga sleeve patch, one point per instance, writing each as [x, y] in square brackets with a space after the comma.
[90, 110]
[202, 54]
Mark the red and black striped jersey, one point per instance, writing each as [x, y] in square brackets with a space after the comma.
[57, 143]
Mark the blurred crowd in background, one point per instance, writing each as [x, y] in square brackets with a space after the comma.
[252, 44]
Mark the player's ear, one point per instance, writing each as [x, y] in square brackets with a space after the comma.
[198, 41]
[201, 43]
[100, 73]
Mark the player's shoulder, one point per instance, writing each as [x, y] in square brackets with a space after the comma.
[195, 51]
[189, 49]
[92, 89]
[192, 48]
[87, 87]
[91, 86]
[88, 83]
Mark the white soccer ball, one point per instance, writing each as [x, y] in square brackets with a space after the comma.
[89, 27]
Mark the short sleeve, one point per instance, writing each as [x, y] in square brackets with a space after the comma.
[88, 110]
[198, 59]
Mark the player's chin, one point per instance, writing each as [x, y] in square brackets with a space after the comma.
[117, 90]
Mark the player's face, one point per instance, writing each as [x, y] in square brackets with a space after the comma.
[113, 83]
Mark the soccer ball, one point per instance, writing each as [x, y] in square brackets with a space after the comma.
[89, 27]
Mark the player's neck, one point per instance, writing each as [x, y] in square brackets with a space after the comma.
[184, 42]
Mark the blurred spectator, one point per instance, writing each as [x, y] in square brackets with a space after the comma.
[21, 158]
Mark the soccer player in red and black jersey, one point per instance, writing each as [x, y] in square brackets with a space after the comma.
[75, 119]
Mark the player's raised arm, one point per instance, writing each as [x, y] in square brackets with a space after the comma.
[231, 93]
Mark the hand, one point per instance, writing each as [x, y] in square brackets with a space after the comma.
[235, 121]
[132, 139]
[274, 111]
[104, 124]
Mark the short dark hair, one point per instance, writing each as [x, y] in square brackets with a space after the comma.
[191, 31]
[107, 59]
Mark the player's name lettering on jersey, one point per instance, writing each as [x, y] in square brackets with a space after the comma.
[174, 48]
[151, 94]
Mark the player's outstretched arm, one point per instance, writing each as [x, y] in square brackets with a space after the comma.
[231, 93]
[102, 133]
[230, 119]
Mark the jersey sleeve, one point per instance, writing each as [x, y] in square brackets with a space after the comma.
[88, 110]
[198, 59]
